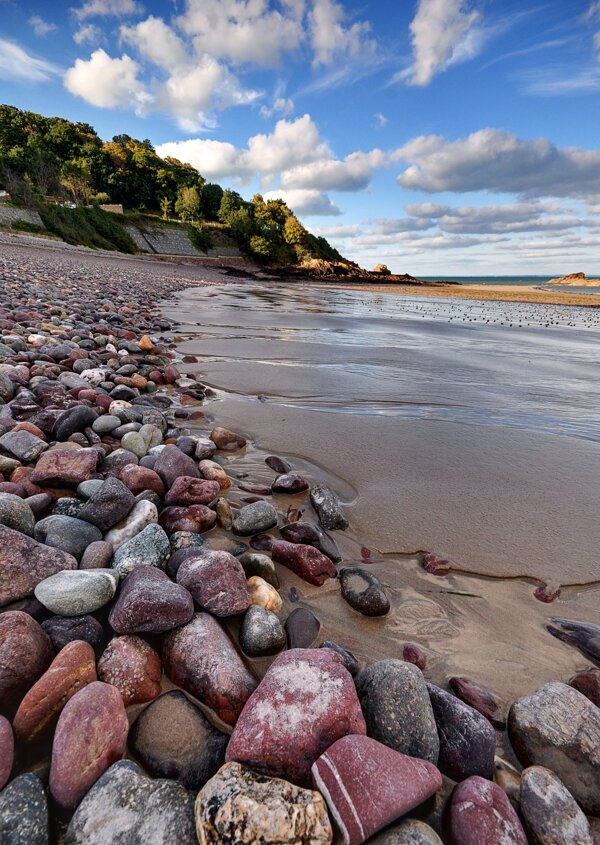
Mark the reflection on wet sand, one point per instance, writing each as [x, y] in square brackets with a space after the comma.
[445, 428]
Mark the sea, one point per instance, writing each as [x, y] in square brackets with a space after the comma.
[517, 281]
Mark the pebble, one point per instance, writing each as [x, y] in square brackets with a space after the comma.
[311, 535]
[127, 807]
[226, 440]
[224, 513]
[302, 628]
[65, 467]
[588, 684]
[24, 812]
[261, 633]
[133, 667]
[213, 471]
[148, 548]
[192, 491]
[23, 445]
[150, 603]
[329, 509]
[290, 484]
[15, 513]
[195, 518]
[67, 533]
[559, 727]
[368, 785]
[304, 703]
[278, 465]
[479, 697]
[25, 562]
[90, 736]
[305, 561]
[226, 811]
[108, 505]
[413, 654]
[582, 635]
[134, 442]
[261, 566]
[550, 812]
[349, 660]
[481, 814]
[64, 629]
[173, 463]
[98, 555]
[407, 832]
[254, 518]
[75, 419]
[397, 708]
[172, 738]
[70, 671]
[105, 424]
[216, 582]
[77, 593]
[25, 654]
[263, 594]
[363, 591]
[139, 479]
[7, 748]
[201, 659]
[144, 513]
[467, 739]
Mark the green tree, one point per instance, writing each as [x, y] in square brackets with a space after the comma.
[165, 207]
[187, 204]
[231, 202]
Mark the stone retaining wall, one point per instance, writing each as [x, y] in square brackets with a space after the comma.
[165, 241]
[9, 216]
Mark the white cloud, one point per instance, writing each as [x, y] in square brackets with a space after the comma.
[18, 65]
[108, 8]
[306, 203]
[41, 27]
[106, 82]
[333, 41]
[497, 161]
[442, 32]
[281, 105]
[88, 34]
[156, 41]
[381, 120]
[353, 173]
[243, 30]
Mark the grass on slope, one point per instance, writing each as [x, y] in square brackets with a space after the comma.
[86, 227]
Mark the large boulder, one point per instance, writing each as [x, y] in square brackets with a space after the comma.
[216, 582]
[480, 812]
[304, 703]
[551, 813]
[25, 654]
[24, 563]
[150, 603]
[60, 467]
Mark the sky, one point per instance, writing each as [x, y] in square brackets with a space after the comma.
[439, 137]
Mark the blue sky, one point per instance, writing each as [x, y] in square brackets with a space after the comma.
[437, 136]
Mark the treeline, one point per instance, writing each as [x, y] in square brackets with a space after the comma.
[52, 157]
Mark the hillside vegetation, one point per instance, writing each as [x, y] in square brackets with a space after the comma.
[49, 157]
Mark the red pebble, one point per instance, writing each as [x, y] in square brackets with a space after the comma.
[546, 593]
[436, 565]
[413, 654]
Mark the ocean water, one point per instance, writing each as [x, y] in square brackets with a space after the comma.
[517, 281]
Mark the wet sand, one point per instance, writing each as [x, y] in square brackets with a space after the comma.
[442, 433]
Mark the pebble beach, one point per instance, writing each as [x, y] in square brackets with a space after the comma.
[160, 679]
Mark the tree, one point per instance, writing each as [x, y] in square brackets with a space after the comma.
[165, 207]
[210, 198]
[76, 179]
[231, 202]
[188, 203]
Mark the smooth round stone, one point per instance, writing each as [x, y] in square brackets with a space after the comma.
[123, 430]
[278, 465]
[74, 420]
[201, 659]
[7, 749]
[148, 548]
[90, 736]
[305, 561]
[407, 832]
[261, 633]
[329, 509]
[312, 535]
[226, 440]
[144, 513]
[205, 449]
[172, 738]
[134, 442]
[551, 813]
[480, 812]
[124, 802]
[15, 513]
[24, 812]
[139, 479]
[67, 506]
[588, 684]
[260, 565]
[239, 806]
[224, 513]
[289, 484]
[105, 424]
[467, 739]
[87, 489]
[151, 434]
[39, 502]
[213, 471]
[109, 505]
[65, 629]
[70, 671]
[263, 594]
[77, 592]
[197, 518]
[67, 533]
[397, 708]
[149, 602]
[192, 491]
[98, 555]
[216, 582]
[479, 697]
[114, 463]
[363, 591]
[559, 727]
[25, 654]
[133, 667]
[302, 628]
[254, 518]
[173, 463]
